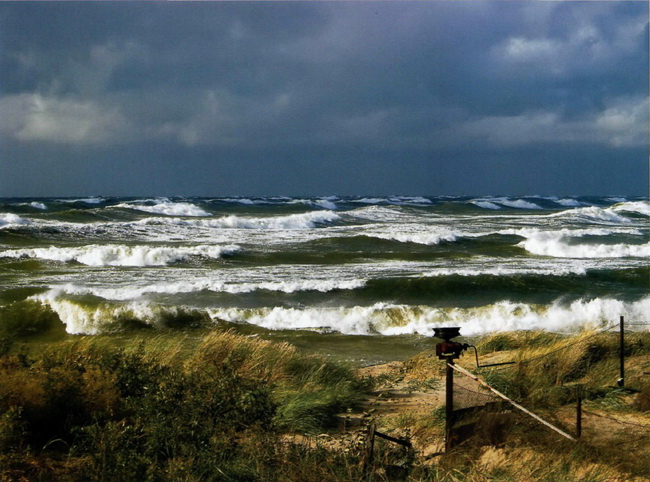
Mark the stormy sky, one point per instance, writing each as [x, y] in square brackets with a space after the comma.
[323, 98]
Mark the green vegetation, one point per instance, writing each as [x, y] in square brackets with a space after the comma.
[550, 367]
[225, 406]
[84, 410]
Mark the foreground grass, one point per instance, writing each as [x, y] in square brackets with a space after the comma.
[223, 406]
[550, 371]
[88, 411]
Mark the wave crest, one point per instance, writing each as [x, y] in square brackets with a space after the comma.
[292, 221]
[389, 319]
[168, 208]
[120, 255]
[9, 219]
[558, 245]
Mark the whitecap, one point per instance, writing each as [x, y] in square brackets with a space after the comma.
[568, 202]
[80, 319]
[519, 204]
[485, 204]
[369, 200]
[35, 205]
[406, 200]
[593, 214]
[10, 219]
[290, 222]
[238, 200]
[130, 292]
[120, 255]
[87, 200]
[391, 319]
[428, 237]
[640, 207]
[168, 208]
[326, 203]
[556, 244]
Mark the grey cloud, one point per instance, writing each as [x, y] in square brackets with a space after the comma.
[325, 81]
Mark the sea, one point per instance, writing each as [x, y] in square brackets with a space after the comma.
[382, 268]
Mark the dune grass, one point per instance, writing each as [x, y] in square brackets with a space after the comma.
[219, 405]
[85, 410]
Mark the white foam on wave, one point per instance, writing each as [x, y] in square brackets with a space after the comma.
[498, 202]
[292, 221]
[389, 319]
[87, 200]
[485, 204]
[80, 319]
[416, 200]
[640, 207]
[379, 213]
[558, 244]
[10, 219]
[168, 208]
[35, 205]
[120, 255]
[325, 203]
[238, 200]
[380, 318]
[395, 200]
[429, 237]
[570, 233]
[369, 200]
[573, 269]
[131, 292]
[570, 203]
[519, 204]
[594, 214]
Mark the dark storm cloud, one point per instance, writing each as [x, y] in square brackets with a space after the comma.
[376, 95]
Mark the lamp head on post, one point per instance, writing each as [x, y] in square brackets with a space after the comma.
[449, 350]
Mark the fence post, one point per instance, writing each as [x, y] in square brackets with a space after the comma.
[370, 449]
[449, 405]
[578, 412]
[621, 353]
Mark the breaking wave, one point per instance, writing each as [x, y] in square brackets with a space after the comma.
[570, 203]
[195, 286]
[593, 214]
[497, 203]
[88, 200]
[390, 319]
[120, 255]
[9, 219]
[292, 221]
[93, 318]
[557, 244]
[168, 208]
[640, 207]
[429, 237]
[485, 204]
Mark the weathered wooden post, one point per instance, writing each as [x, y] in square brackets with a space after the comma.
[621, 353]
[449, 404]
[449, 350]
[578, 412]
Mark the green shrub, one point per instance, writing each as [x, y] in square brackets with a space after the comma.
[27, 318]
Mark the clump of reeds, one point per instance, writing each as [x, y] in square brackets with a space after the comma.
[547, 364]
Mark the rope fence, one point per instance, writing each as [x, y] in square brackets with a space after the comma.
[465, 403]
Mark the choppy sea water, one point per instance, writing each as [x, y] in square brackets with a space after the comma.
[349, 265]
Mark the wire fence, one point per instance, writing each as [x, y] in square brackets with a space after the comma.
[473, 397]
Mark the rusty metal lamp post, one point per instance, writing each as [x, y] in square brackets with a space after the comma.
[449, 350]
